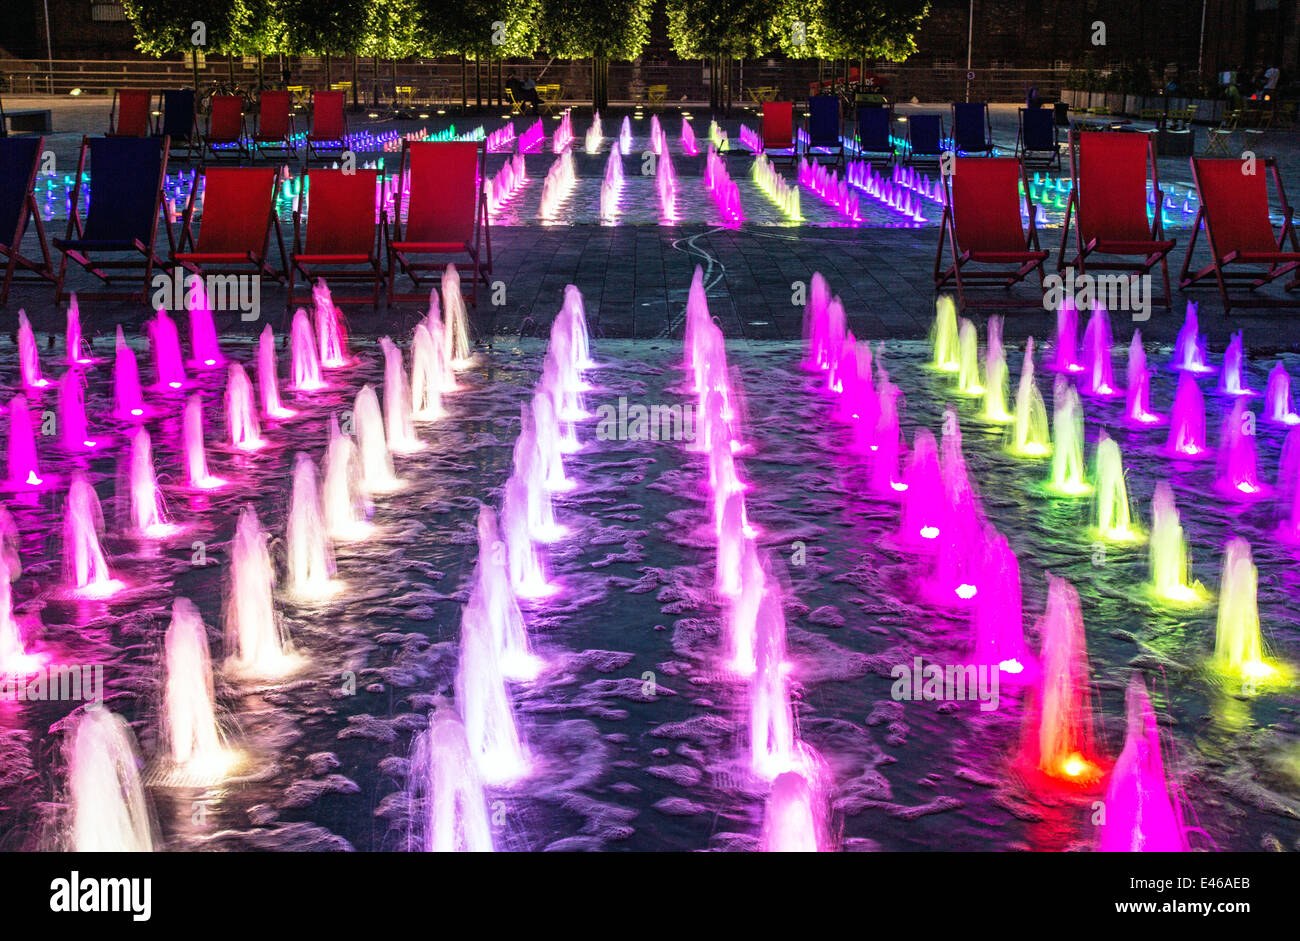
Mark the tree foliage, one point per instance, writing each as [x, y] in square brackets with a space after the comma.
[165, 27]
[878, 29]
[483, 28]
[701, 29]
[606, 29]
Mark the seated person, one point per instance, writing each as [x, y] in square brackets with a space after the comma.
[525, 92]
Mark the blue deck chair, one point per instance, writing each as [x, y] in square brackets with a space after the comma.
[180, 122]
[126, 202]
[924, 138]
[19, 158]
[1038, 144]
[873, 134]
[824, 132]
[971, 131]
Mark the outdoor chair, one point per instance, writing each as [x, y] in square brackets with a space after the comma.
[20, 158]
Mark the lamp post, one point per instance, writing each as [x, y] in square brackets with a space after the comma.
[970, 40]
[49, 46]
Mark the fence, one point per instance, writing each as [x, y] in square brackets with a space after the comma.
[439, 81]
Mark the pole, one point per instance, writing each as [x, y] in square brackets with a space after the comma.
[49, 46]
[1200, 53]
[970, 42]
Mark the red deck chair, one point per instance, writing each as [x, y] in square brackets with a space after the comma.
[446, 213]
[778, 130]
[126, 204]
[275, 125]
[341, 231]
[1109, 170]
[236, 222]
[20, 157]
[130, 114]
[329, 126]
[226, 130]
[981, 223]
[1234, 205]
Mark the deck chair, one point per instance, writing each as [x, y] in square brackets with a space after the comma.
[275, 126]
[778, 130]
[981, 224]
[1243, 246]
[236, 222]
[329, 126]
[824, 132]
[126, 203]
[19, 159]
[129, 115]
[1038, 142]
[340, 231]
[446, 214]
[180, 122]
[1109, 169]
[227, 134]
[971, 131]
[873, 135]
[924, 139]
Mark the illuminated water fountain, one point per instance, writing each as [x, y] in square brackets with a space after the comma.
[85, 570]
[24, 471]
[1030, 437]
[29, 359]
[73, 434]
[1189, 348]
[190, 733]
[1277, 397]
[1238, 644]
[241, 411]
[794, 818]
[268, 384]
[331, 328]
[482, 696]
[1238, 474]
[107, 808]
[968, 360]
[345, 506]
[305, 355]
[1067, 337]
[147, 516]
[997, 620]
[1112, 514]
[398, 424]
[310, 553]
[129, 404]
[1137, 407]
[1187, 420]
[447, 790]
[1098, 377]
[377, 475]
[1170, 566]
[203, 333]
[169, 369]
[256, 646]
[1140, 815]
[1068, 476]
[1233, 381]
[995, 376]
[771, 721]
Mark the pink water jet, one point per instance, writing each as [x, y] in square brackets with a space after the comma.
[1067, 335]
[742, 611]
[1058, 730]
[268, 384]
[193, 449]
[169, 369]
[15, 660]
[190, 732]
[1137, 408]
[1141, 816]
[1098, 379]
[796, 814]
[887, 446]
[481, 694]
[923, 499]
[346, 506]
[771, 718]
[997, 620]
[29, 359]
[331, 328]
[1189, 347]
[256, 644]
[1187, 420]
[493, 593]
[398, 424]
[447, 790]
[822, 335]
[1233, 381]
[954, 580]
[527, 569]
[306, 374]
[241, 412]
[76, 349]
[24, 472]
[1277, 397]
[203, 334]
[85, 570]
[73, 434]
[147, 515]
[1238, 475]
[129, 403]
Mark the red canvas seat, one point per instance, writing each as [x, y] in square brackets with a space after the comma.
[446, 214]
[1109, 197]
[778, 129]
[130, 114]
[981, 224]
[226, 130]
[19, 159]
[236, 221]
[340, 232]
[329, 125]
[1235, 209]
[275, 124]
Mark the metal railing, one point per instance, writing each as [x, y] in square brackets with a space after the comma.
[439, 81]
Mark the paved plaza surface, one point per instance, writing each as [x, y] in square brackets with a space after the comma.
[634, 277]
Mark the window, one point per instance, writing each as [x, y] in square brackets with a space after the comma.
[107, 12]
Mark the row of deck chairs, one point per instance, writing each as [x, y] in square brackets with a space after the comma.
[338, 229]
[984, 230]
[226, 134]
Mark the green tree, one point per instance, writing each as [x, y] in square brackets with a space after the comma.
[720, 31]
[478, 30]
[599, 30]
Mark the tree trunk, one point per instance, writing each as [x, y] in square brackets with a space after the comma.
[259, 75]
[478, 80]
[194, 57]
[375, 60]
[464, 91]
[230, 69]
[329, 74]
